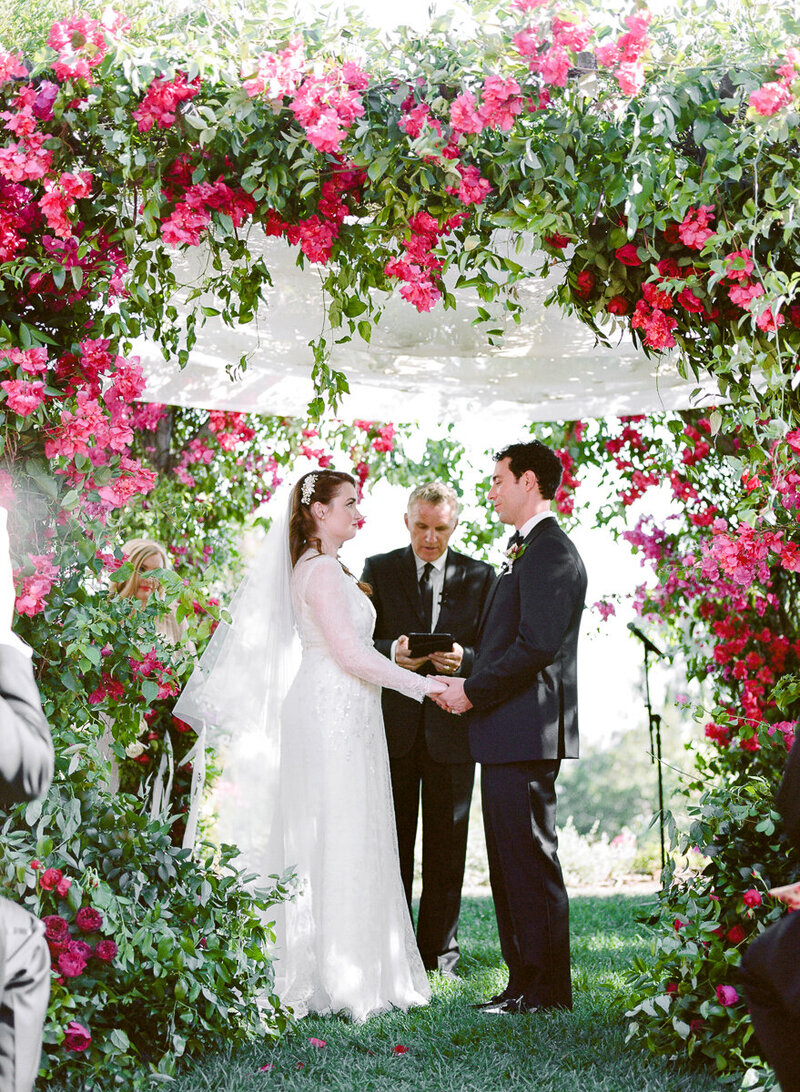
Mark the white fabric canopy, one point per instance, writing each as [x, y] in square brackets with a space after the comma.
[417, 366]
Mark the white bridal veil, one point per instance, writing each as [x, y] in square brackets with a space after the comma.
[236, 692]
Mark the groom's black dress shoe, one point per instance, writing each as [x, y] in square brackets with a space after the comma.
[498, 999]
[510, 1006]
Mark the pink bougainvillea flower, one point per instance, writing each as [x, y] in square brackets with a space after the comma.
[630, 78]
[162, 100]
[464, 117]
[23, 396]
[770, 98]
[319, 1043]
[693, 230]
[399, 1049]
[743, 294]
[76, 1037]
[727, 995]
[11, 67]
[278, 74]
[266, 1068]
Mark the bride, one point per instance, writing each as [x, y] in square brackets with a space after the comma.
[306, 781]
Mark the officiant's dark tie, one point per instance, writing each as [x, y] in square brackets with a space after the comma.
[426, 593]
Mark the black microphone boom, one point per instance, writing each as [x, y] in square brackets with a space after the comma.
[648, 644]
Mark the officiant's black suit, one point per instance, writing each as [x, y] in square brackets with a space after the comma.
[525, 721]
[427, 746]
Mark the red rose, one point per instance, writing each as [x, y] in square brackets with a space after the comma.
[142, 759]
[63, 886]
[81, 949]
[57, 947]
[38, 864]
[671, 988]
[556, 240]
[55, 927]
[736, 934]
[671, 234]
[751, 898]
[584, 284]
[76, 1036]
[617, 305]
[50, 877]
[105, 950]
[89, 920]
[71, 964]
[628, 254]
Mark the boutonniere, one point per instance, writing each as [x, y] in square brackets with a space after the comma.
[516, 551]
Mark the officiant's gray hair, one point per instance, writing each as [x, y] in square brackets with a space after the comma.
[435, 493]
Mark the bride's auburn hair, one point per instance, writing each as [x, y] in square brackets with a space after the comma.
[322, 486]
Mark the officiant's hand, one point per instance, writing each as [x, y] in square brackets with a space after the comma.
[402, 658]
[453, 699]
[447, 663]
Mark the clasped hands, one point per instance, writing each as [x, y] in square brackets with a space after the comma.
[451, 696]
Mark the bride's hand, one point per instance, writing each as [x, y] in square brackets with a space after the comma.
[789, 893]
[435, 687]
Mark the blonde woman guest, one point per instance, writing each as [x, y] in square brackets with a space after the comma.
[145, 555]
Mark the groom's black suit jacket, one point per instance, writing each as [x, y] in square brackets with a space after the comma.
[524, 682]
[396, 596]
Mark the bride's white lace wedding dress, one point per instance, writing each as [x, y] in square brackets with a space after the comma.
[346, 943]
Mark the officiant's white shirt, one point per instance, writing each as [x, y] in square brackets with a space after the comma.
[437, 586]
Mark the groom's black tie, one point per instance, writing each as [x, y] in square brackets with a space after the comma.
[426, 593]
[515, 540]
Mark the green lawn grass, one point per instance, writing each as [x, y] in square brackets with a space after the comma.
[453, 1048]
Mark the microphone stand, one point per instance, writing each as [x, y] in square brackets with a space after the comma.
[654, 727]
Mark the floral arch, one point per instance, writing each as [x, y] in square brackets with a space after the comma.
[657, 177]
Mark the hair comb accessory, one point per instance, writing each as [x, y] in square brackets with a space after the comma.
[307, 492]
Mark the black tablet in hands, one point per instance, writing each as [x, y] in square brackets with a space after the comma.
[423, 644]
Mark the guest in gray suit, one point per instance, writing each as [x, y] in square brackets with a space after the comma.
[26, 768]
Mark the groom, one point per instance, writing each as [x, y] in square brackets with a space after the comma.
[523, 693]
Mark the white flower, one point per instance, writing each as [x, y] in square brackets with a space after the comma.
[133, 750]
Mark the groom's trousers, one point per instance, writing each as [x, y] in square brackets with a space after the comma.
[531, 903]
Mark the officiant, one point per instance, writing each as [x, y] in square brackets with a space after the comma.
[428, 599]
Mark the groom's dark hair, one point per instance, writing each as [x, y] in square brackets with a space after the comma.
[537, 457]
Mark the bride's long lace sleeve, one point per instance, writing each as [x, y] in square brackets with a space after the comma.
[324, 587]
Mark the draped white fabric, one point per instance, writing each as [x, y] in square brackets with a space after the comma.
[418, 366]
